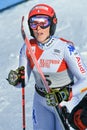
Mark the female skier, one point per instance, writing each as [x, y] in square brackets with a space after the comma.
[60, 62]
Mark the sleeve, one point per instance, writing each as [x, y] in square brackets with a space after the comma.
[78, 69]
[23, 61]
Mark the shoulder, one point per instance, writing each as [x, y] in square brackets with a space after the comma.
[63, 41]
[33, 41]
[24, 47]
[66, 46]
[66, 41]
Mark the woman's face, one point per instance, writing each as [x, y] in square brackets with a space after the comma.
[40, 25]
[42, 35]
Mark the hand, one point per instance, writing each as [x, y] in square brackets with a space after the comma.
[51, 99]
[56, 96]
[14, 77]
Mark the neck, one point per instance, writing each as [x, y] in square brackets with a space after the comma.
[45, 41]
[46, 44]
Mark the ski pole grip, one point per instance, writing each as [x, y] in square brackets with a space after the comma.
[22, 72]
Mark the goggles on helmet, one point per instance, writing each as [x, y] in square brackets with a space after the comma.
[42, 21]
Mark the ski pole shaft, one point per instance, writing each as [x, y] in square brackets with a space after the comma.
[23, 99]
[23, 107]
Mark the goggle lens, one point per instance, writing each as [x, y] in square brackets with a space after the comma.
[42, 21]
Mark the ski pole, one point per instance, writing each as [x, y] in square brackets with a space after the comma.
[23, 97]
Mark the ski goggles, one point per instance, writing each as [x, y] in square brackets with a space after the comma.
[42, 21]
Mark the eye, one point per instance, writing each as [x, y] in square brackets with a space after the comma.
[42, 23]
[33, 23]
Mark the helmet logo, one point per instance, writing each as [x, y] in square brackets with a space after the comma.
[41, 7]
[54, 20]
[38, 10]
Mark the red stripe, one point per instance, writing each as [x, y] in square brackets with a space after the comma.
[38, 52]
[63, 66]
[64, 40]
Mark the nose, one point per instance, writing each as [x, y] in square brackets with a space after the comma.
[38, 27]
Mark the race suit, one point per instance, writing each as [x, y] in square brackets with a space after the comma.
[61, 64]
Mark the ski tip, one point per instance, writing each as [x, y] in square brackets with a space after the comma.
[22, 18]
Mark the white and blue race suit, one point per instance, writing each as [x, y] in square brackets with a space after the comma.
[61, 63]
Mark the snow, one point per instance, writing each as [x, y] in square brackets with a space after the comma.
[72, 25]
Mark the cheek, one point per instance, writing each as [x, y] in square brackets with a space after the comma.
[34, 32]
[47, 31]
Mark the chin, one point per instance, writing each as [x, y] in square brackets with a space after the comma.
[39, 40]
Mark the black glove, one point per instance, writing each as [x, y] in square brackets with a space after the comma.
[56, 96]
[14, 77]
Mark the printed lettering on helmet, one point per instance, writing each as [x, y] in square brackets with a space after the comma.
[40, 7]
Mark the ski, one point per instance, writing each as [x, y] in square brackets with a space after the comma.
[57, 109]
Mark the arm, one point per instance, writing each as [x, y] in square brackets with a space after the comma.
[23, 61]
[14, 76]
[78, 69]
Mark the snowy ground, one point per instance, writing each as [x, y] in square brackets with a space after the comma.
[72, 25]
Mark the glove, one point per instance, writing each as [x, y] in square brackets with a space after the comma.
[56, 96]
[51, 99]
[14, 77]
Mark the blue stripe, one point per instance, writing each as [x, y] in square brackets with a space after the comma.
[4, 4]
